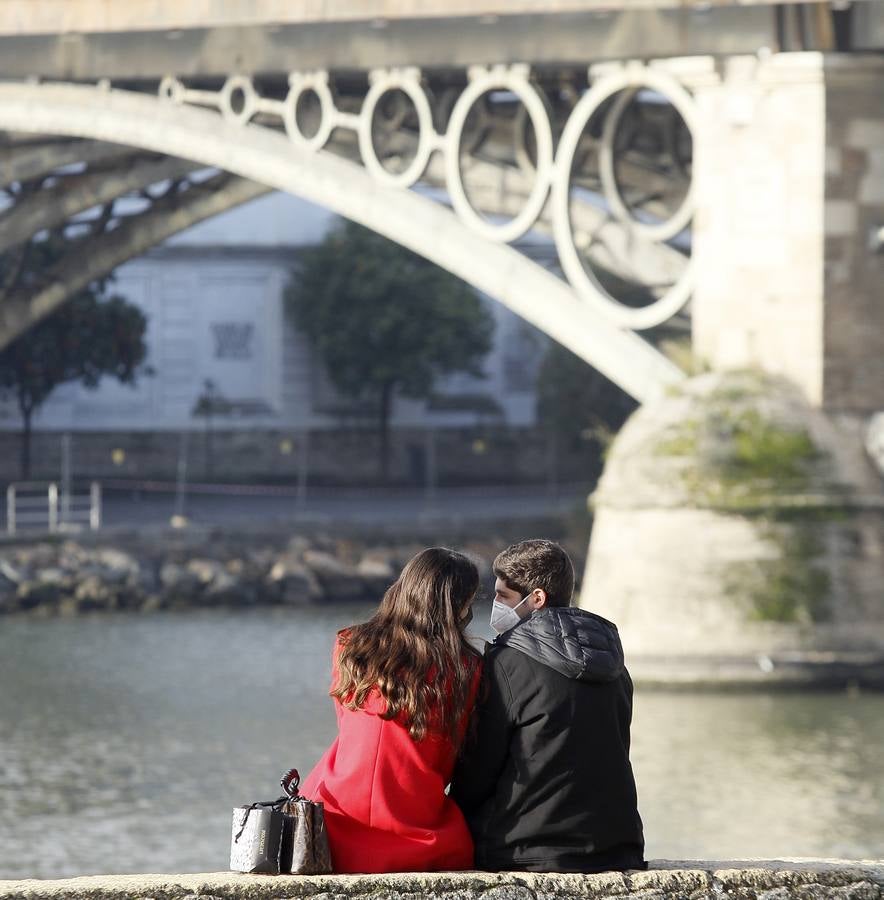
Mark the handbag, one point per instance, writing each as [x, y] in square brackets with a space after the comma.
[283, 836]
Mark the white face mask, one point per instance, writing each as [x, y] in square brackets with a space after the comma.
[504, 617]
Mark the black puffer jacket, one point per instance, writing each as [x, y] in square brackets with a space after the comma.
[545, 779]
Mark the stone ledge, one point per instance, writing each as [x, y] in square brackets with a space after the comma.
[740, 879]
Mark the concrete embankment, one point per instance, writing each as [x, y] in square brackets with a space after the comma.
[742, 880]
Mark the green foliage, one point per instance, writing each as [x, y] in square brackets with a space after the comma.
[764, 450]
[739, 448]
[384, 320]
[737, 459]
[683, 440]
[82, 341]
[88, 337]
[735, 455]
[379, 314]
[578, 403]
[791, 587]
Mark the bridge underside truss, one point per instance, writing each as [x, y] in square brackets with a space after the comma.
[565, 195]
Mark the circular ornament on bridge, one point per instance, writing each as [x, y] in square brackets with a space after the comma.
[407, 81]
[242, 86]
[299, 85]
[524, 158]
[581, 277]
[514, 79]
[678, 221]
[171, 89]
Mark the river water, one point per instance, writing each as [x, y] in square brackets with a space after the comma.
[125, 742]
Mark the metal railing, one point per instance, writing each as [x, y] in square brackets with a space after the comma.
[40, 506]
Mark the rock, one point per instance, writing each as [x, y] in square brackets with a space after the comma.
[236, 567]
[33, 594]
[262, 559]
[293, 583]
[205, 570]
[228, 590]
[339, 582]
[117, 567]
[72, 557]
[212, 569]
[51, 576]
[376, 567]
[377, 573]
[179, 585]
[148, 580]
[94, 593]
[298, 545]
[9, 574]
[34, 557]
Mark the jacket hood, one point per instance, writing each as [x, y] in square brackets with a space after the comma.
[574, 642]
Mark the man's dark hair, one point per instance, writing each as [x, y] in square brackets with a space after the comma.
[537, 564]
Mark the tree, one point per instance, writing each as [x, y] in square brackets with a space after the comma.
[385, 321]
[576, 404]
[88, 337]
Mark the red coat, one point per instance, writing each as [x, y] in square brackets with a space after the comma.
[384, 793]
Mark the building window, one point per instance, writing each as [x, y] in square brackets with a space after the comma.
[233, 340]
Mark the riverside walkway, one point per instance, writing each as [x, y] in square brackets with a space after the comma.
[328, 506]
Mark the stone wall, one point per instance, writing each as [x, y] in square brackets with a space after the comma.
[789, 177]
[759, 156]
[854, 274]
[755, 880]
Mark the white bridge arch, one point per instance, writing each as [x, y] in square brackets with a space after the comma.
[268, 157]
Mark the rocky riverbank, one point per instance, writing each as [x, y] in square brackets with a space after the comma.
[169, 569]
[754, 880]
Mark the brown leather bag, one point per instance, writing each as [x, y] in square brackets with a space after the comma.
[305, 845]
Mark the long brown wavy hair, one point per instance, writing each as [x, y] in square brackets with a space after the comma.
[413, 649]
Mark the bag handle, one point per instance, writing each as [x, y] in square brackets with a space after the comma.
[258, 804]
[289, 783]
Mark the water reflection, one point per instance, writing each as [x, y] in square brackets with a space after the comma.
[761, 775]
[125, 741]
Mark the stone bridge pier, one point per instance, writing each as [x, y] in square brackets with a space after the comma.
[739, 524]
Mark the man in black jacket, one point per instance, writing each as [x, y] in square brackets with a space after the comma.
[544, 778]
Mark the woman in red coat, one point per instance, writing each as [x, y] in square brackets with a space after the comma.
[404, 684]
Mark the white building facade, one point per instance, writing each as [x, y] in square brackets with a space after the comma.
[214, 301]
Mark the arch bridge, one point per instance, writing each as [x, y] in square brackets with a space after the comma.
[450, 129]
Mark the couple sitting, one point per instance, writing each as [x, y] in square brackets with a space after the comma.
[533, 740]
